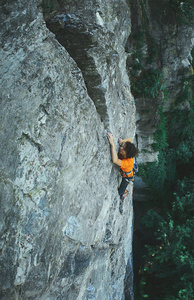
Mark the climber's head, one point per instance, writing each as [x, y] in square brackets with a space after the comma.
[128, 150]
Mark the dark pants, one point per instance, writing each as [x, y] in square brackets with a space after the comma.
[122, 187]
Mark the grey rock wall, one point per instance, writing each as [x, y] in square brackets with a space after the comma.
[62, 235]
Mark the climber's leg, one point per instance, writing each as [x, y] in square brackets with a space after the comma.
[122, 188]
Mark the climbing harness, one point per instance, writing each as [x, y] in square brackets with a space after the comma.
[128, 178]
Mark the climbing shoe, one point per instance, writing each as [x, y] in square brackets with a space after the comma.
[124, 195]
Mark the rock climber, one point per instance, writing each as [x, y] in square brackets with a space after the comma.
[124, 160]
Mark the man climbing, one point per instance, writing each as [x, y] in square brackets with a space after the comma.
[125, 161]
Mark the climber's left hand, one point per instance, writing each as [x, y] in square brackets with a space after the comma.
[110, 138]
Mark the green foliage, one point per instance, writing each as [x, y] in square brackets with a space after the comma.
[184, 10]
[153, 49]
[168, 269]
[185, 150]
[171, 259]
[148, 84]
[156, 170]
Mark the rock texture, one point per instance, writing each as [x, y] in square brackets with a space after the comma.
[64, 82]
[160, 40]
[62, 235]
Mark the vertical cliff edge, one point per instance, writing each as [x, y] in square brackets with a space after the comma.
[63, 83]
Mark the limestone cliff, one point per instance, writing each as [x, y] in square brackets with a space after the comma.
[65, 69]
[62, 235]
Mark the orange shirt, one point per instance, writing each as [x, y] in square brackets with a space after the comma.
[127, 165]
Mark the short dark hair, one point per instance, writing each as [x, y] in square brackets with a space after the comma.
[131, 150]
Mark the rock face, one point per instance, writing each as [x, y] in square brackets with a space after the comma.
[64, 82]
[62, 235]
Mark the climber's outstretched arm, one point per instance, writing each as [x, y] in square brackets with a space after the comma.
[114, 155]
